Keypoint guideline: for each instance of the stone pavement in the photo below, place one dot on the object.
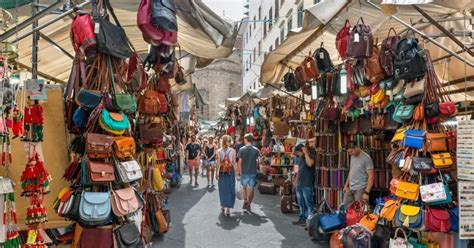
(196, 222)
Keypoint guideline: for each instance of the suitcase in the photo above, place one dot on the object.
(267, 188)
(286, 204)
(286, 188)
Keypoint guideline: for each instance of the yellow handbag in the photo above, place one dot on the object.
(369, 221)
(157, 179)
(407, 190)
(399, 134)
(378, 96)
(362, 91)
(389, 210)
(408, 211)
(442, 160)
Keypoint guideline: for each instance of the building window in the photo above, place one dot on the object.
(289, 24)
(254, 54)
(277, 8)
(250, 59)
(270, 15)
(254, 23)
(282, 32)
(300, 15)
(265, 27)
(260, 13)
(277, 43)
(259, 48)
(271, 48)
(250, 31)
(316, 1)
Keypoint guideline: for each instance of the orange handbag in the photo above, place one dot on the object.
(335, 240)
(369, 221)
(408, 190)
(162, 223)
(124, 147)
(389, 210)
(310, 67)
(419, 113)
(436, 142)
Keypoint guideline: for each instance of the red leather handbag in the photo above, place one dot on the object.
(151, 33)
(300, 76)
(310, 67)
(355, 212)
(342, 39)
(447, 109)
(82, 35)
(451, 140)
(437, 220)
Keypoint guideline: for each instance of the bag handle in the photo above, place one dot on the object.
(360, 19)
(347, 24)
(390, 30)
(403, 232)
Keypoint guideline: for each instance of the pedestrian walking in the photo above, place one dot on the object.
(193, 153)
(304, 159)
(210, 160)
(247, 170)
(226, 175)
(202, 160)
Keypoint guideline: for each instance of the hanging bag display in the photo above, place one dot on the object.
(436, 142)
(360, 41)
(95, 207)
(310, 67)
(124, 201)
(404, 112)
(323, 60)
(389, 210)
(290, 82)
(414, 138)
(409, 61)
(98, 145)
(128, 236)
(442, 160)
(164, 15)
(129, 171)
(124, 147)
(100, 173)
(409, 216)
(372, 68)
(407, 190)
(342, 39)
(387, 52)
(437, 220)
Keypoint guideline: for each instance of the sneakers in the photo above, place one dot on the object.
(299, 223)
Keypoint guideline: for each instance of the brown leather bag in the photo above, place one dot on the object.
(98, 145)
(360, 41)
(378, 121)
(301, 76)
(310, 67)
(124, 147)
(419, 113)
(436, 142)
(151, 133)
(92, 237)
(372, 68)
(280, 128)
(149, 103)
(100, 172)
(162, 223)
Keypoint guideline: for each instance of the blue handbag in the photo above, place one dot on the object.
(330, 221)
(80, 118)
(414, 138)
(95, 207)
(411, 218)
(89, 99)
(404, 112)
(114, 121)
(454, 218)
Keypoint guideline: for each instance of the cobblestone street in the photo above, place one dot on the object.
(196, 222)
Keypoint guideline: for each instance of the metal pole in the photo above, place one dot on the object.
(30, 20)
(425, 36)
(59, 17)
(34, 44)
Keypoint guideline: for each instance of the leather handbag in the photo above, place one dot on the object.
(128, 236)
(409, 60)
(435, 193)
(414, 88)
(409, 216)
(301, 76)
(330, 221)
(372, 68)
(378, 97)
(162, 222)
(399, 242)
(407, 190)
(442, 160)
(124, 201)
(89, 99)
(404, 112)
(387, 52)
(310, 67)
(100, 173)
(124, 147)
(416, 242)
(323, 60)
(151, 33)
(92, 237)
(290, 82)
(112, 39)
(360, 41)
(129, 171)
(382, 235)
(399, 135)
(437, 220)
(164, 15)
(436, 142)
(73, 212)
(342, 39)
(422, 164)
(335, 240)
(419, 113)
(447, 109)
(394, 157)
(95, 208)
(414, 100)
(378, 121)
(432, 110)
(82, 35)
(355, 212)
(149, 103)
(151, 133)
(98, 145)
(369, 221)
(116, 122)
(414, 138)
(389, 210)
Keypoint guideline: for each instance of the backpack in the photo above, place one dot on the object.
(373, 70)
(226, 167)
(342, 40)
(290, 82)
(387, 52)
(323, 60)
(360, 41)
(357, 74)
(409, 61)
(310, 67)
(83, 36)
(301, 76)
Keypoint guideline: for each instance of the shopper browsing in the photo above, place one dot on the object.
(210, 160)
(304, 159)
(361, 175)
(226, 175)
(193, 153)
(247, 170)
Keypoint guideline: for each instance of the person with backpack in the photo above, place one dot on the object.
(247, 169)
(225, 175)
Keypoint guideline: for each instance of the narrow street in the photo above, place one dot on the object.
(196, 222)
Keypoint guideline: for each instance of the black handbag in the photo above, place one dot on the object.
(414, 100)
(409, 61)
(382, 235)
(111, 38)
(323, 60)
(128, 236)
(431, 110)
(422, 163)
(73, 213)
(290, 82)
(164, 15)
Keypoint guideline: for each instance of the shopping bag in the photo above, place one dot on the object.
(238, 191)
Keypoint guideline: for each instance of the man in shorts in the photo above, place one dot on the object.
(193, 153)
(247, 170)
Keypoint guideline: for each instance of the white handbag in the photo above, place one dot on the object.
(6, 186)
(399, 242)
(433, 192)
(414, 88)
(129, 171)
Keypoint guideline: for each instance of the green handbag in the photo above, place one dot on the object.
(354, 113)
(122, 101)
(416, 241)
(404, 112)
(114, 121)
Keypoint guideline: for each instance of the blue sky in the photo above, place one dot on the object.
(231, 9)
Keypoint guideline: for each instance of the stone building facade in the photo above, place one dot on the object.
(220, 80)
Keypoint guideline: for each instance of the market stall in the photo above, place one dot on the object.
(397, 95)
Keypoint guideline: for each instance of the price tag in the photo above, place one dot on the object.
(356, 37)
(96, 28)
(321, 55)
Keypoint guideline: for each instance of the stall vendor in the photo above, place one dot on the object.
(361, 175)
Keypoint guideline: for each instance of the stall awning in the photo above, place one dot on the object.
(299, 44)
(201, 32)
